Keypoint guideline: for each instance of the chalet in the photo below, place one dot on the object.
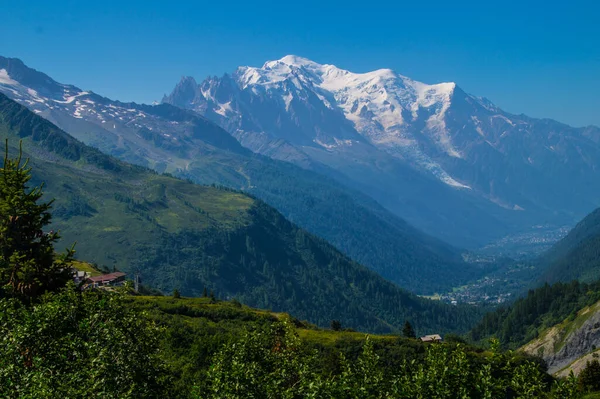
(106, 280)
(432, 338)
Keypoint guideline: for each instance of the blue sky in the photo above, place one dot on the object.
(541, 58)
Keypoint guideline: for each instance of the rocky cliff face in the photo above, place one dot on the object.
(568, 345)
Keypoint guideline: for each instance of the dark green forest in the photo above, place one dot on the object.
(577, 256)
(351, 221)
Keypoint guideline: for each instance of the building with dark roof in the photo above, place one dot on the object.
(106, 280)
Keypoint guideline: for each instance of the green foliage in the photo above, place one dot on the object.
(78, 345)
(176, 294)
(28, 265)
(589, 378)
(263, 365)
(274, 363)
(540, 309)
(96, 344)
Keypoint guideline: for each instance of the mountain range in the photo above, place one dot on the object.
(327, 146)
(181, 142)
(181, 235)
(452, 164)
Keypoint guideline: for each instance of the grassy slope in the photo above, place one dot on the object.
(181, 235)
(195, 329)
(86, 267)
(236, 318)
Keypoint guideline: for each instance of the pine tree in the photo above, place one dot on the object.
(336, 325)
(589, 378)
(408, 331)
(28, 265)
(176, 294)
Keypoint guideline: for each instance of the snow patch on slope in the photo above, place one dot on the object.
(5, 79)
(70, 99)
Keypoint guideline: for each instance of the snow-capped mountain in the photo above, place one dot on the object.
(179, 141)
(450, 163)
(370, 128)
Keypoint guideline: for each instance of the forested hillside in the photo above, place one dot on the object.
(542, 308)
(577, 256)
(181, 235)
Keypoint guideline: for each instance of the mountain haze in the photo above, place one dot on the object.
(182, 235)
(453, 164)
(169, 139)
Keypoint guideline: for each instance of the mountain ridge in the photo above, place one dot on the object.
(506, 165)
(170, 139)
(181, 235)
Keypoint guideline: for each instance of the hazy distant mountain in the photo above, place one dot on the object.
(453, 164)
(167, 138)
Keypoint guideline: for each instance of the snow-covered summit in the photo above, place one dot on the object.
(309, 103)
(334, 116)
(378, 103)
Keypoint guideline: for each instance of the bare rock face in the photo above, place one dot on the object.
(567, 346)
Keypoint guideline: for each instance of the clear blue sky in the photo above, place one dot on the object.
(541, 58)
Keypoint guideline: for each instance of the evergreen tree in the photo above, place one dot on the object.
(336, 325)
(28, 265)
(176, 294)
(408, 331)
(589, 379)
(204, 293)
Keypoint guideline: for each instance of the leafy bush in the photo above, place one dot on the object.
(79, 345)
